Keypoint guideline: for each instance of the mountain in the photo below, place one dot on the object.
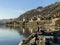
(50, 11)
(3, 21)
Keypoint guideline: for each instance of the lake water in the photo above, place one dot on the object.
(10, 36)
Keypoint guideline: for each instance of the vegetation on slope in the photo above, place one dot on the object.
(51, 11)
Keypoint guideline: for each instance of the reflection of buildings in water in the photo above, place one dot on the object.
(23, 30)
(31, 30)
(26, 31)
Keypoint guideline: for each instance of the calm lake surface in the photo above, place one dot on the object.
(10, 36)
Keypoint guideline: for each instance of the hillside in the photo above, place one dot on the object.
(46, 14)
(50, 11)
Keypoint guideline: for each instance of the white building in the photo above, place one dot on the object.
(23, 19)
(31, 20)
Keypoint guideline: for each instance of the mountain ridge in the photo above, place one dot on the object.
(52, 11)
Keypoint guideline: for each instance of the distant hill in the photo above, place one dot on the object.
(3, 21)
(50, 11)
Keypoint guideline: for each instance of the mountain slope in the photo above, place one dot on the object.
(52, 11)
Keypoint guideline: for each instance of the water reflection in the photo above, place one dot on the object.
(10, 36)
(26, 31)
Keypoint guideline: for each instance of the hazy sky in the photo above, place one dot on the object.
(13, 8)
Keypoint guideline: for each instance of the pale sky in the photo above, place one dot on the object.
(14, 8)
